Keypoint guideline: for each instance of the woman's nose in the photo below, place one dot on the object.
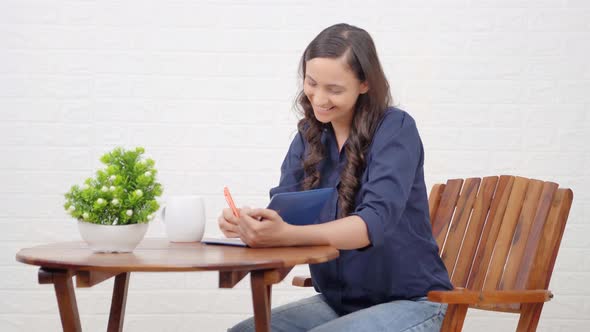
(321, 100)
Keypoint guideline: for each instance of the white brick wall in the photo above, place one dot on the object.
(497, 86)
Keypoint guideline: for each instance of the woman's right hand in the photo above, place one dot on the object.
(228, 223)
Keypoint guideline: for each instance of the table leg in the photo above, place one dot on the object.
(66, 298)
(261, 300)
(118, 302)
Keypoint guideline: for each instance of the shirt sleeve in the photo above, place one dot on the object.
(292, 168)
(394, 158)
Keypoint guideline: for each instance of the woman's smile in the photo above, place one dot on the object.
(324, 109)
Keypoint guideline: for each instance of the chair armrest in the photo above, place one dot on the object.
(302, 281)
(465, 296)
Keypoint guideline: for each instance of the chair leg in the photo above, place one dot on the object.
(118, 302)
(454, 318)
(529, 317)
(66, 297)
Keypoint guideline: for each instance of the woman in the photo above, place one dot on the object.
(350, 139)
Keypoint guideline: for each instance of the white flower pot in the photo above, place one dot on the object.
(112, 238)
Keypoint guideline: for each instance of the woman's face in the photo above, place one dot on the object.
(332, 88)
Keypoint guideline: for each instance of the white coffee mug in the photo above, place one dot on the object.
(184, 218)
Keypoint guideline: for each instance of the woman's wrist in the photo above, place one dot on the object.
(307, 235)
(295, 235)
(291, 235)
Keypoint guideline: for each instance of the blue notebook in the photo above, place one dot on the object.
(296, 208)
(301, 207)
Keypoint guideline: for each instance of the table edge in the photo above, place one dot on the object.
(263, 265)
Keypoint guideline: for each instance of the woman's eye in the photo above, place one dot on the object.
(337, 92)
(311, 83)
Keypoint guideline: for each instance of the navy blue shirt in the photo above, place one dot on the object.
(402, 260)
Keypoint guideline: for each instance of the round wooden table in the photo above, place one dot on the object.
(59, 262)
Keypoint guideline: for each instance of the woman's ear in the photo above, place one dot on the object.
(364, 87)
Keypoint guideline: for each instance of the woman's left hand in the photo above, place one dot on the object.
(263, 228)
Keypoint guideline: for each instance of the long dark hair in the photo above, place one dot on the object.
(357, 46)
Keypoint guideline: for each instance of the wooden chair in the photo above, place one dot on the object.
(498, 238)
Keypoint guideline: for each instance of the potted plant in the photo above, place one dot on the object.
(113, 209)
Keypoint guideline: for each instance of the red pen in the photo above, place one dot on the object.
(230, 201)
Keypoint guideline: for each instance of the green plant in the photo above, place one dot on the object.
(122, 193)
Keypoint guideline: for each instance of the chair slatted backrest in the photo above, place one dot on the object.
(499, 233)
